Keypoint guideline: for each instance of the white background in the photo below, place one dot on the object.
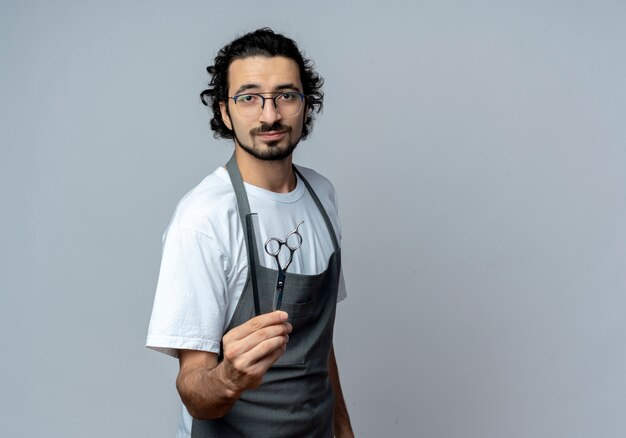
(478, 149)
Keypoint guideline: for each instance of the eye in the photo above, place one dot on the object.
(287, 96)
(246, 99)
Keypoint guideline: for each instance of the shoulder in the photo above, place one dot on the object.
(207, 206)
(323, 186)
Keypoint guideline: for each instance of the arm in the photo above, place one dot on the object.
(209, 389)
(343, 428)
(201, 385)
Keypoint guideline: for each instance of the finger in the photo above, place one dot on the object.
(247, 371)
(257, 323)
(255, 338)
(253, 376)
(235, 348)
(261, 351)
(261, 367)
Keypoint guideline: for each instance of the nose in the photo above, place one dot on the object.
(269, 113)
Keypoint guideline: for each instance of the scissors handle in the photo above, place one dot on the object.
(273, 246)
(296, 233)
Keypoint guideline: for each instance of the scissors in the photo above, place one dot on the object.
(273, 246)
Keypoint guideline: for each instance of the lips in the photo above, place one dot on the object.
(271, 135)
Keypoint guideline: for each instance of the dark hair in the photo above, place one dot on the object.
(261, 42)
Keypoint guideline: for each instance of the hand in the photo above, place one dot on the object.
(252, 348)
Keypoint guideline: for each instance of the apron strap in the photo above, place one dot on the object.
(247, 225)
(320, 207)
(240, 192)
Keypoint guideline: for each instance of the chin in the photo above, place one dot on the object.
(272, 151)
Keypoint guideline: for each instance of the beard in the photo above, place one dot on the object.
(273, 152)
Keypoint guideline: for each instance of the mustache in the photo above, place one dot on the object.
(277, 126)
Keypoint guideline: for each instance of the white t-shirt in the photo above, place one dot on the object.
(204, 265)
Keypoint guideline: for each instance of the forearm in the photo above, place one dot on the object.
(342, 425)
(204, 392)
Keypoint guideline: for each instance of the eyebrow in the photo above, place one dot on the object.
(281, 87)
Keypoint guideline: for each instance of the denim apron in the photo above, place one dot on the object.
(296, 397)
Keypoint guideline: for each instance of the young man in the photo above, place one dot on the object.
(247, 369)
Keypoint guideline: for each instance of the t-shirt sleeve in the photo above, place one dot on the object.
(191, 299)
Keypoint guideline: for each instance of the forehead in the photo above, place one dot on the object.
(262, 73)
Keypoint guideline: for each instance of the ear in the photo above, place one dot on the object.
(226, 115)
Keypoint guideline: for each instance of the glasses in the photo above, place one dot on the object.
(250, 105)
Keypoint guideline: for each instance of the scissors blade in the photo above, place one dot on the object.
(278, 292)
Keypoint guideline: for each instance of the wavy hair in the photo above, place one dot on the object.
(261, 42)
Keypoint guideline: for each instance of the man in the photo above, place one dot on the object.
(247, 369)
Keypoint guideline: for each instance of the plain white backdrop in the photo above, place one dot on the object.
(478, 149)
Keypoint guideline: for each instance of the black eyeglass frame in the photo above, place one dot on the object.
(263, 98)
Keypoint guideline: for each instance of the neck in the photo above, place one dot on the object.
(276, 176)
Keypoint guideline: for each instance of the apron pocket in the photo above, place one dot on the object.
(295, 310)
(299, 313)
(295, 354)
